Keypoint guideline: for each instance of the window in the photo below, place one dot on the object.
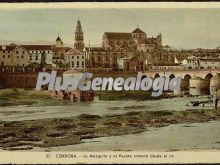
(17, 56)
(22, 64)
(77, 64)
(16, 52)
(82, 57)
(72, 64)
(22, 56)
(3, 56)
(82, 63)
(23, 52)
(8, 56)
(8, 51)
(77, 57)
(3, 51)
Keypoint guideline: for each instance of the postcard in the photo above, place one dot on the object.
(126, 82)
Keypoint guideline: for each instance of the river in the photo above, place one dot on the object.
(97, 107)
(179, 137)
(195, 136)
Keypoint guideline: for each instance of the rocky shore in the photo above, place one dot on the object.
(24, 135)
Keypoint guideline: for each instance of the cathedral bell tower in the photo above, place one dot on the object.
(79, 44)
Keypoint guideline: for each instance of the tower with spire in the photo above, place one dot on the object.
(59, 42)
(79, 44)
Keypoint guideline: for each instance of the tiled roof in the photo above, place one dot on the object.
(118, 36)
(137, 30)
(73, 52)
(37, 47)
(7, 47)
(61, 48)
(95, 49)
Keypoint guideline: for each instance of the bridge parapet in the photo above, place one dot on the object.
(202, 73)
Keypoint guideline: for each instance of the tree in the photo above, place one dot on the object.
(43, 60)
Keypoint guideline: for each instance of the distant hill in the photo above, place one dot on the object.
(41, 42)
(37, 42)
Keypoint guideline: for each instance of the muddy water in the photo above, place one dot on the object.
(179, 137)
(196, 136)
(96, 107)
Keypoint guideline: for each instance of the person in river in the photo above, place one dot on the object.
(215, 99)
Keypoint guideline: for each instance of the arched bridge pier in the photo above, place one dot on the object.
(192, 79)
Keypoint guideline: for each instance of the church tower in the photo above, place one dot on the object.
(79, 44)
(59, 42)
(159, 40)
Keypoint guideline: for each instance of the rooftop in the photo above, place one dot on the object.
(72, 72)
(7, 47)
(37, 47)
(95, 49)
(118, 36)
(74, 52)
(137, 30)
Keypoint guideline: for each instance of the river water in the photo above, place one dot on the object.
(96, 107)
(179, 137)
(194, 136)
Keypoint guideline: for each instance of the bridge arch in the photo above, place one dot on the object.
(208, 76)
(172, 76)
(185, 82)
(156, 75)
(144, 76)
(187, 77)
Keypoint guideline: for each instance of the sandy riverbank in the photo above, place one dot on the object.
(73, 130)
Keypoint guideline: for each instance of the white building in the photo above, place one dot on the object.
(202, 63)
(191, 63)
(75, 59)
(209, 63)
(36, 52)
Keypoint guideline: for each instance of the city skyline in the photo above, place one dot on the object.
(180, 28)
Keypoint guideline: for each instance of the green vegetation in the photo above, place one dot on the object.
(15, 97)
(129, 95)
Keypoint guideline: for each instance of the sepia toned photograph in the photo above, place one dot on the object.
(110, 82)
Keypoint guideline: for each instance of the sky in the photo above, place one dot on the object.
(180, 28)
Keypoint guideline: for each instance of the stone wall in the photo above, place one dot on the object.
(19, 79)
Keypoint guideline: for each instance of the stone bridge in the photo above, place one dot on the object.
(200, 78)
(185, 74)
